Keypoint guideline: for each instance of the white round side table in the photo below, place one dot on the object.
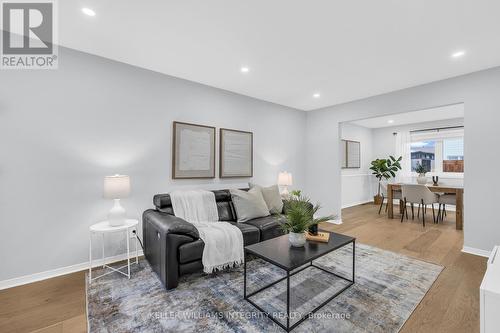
(103, 228)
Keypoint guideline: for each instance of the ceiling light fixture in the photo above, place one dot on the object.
(245, 69)
(390, 121)
(316, 95)
(88, 11)
(458, 54)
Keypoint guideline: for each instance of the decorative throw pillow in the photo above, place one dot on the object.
(272, 197)
(249, 205)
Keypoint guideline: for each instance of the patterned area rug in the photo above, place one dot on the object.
(388, 288)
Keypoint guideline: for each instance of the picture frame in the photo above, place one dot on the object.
(351, 154)
(235, 153)
(193, 151)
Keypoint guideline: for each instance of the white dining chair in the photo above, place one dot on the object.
(418, 194)
(446, 199)
(396, 194)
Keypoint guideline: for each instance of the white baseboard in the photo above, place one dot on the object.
(477, 252)
(449, 208)
(356, 203)
(60, 271)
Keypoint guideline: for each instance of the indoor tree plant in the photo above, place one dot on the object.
(384, 169)
(420, 170)
(299, 213)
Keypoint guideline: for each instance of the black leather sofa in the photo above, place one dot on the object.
(173, 246)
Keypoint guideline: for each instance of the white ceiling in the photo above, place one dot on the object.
(345, 50)
(434, 114)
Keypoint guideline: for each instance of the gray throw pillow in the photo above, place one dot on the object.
(272, 197)
(249, 205)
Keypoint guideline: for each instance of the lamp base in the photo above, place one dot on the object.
(117, 214)
(284, 193)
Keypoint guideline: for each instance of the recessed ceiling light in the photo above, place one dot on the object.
(458, 54)
(88, 11)
(316, 95)
(245, 69)
(390, 121)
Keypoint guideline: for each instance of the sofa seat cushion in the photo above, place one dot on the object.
(251, 234)
(194, 250)
(269, 226)
(191, 251)
(191, 267)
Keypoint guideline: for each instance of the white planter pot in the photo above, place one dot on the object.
(421, 179)
(297, 239)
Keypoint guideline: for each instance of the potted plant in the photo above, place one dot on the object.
(384, 169)
(299, 213)
(421, 179)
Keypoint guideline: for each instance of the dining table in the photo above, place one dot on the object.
(458, 190)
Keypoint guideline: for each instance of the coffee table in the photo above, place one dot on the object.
(280, 253)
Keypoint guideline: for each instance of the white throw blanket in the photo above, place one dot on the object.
(223, 241)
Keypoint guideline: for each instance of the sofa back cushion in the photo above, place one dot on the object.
(249, 205)
(163, 203)
(272, 197)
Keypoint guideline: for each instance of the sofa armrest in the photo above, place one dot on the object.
(163, 235)
(170, 224)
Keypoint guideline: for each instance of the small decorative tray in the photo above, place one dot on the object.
(320, 237)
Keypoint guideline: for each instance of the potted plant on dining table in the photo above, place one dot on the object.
(384, 168)
(421, 171)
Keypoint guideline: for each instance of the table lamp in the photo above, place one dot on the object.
(116, 187)
(285, 180)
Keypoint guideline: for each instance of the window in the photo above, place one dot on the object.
(439, 151)
(453, 155)
(424, 153)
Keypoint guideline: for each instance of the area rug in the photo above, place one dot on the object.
(388, 288)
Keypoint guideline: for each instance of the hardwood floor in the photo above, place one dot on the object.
(53, 305)
(451, 305)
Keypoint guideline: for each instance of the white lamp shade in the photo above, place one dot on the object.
(116, 187)
(285, 179)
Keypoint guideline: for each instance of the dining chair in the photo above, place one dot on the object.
(446, 199)
(396, 194)
(418, 194)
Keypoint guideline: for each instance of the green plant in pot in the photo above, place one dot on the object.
(299, 213)
(296, 194)
(384, 169)
(420, 170)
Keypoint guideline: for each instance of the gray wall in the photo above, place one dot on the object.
(358, 184)
(480, 93)
(62, 131)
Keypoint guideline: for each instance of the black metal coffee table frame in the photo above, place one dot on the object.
(287, 327)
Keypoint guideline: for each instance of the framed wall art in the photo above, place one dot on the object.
(236, 153)
(193, 151)
(351, 154)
